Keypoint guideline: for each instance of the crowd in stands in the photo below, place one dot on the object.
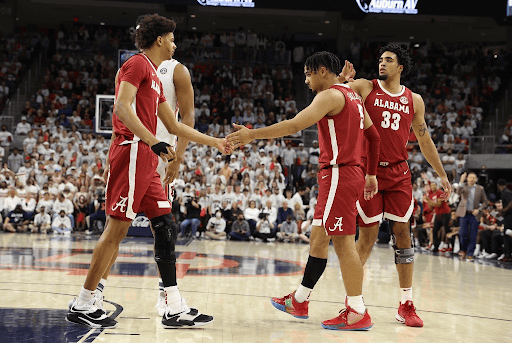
(265, 191)
(16, 53)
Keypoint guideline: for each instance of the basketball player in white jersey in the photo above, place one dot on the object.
(178, 89)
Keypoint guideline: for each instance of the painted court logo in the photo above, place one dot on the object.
(388, 6)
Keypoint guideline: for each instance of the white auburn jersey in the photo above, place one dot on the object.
(166, 76)
(165, 73)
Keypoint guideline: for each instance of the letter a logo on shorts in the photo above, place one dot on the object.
(121, 204)
(338, 224)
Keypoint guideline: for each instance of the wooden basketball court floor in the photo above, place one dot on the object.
(459, 301)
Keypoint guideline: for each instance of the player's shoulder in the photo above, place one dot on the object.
(137, 59)
(417, 100)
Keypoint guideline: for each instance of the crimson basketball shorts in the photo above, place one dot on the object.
(339, 189)
(393, 201)
(168, 189)
(133, 184)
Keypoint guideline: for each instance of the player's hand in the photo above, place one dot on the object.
(348, 72)
(371, 186)
(224, 146)
(171, 170)
(240, 137)
(463, 177)
(447, 187)
(475, 212)
(164, 150)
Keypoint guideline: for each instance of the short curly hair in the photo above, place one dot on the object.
(402, 55)
(323, 58)
(149, 27)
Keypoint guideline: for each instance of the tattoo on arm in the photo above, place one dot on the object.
(423, 129)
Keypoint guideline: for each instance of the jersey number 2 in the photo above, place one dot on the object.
(361, 113)
(386, 122)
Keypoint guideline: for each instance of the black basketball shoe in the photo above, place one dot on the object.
(90, 315)
(184, 317)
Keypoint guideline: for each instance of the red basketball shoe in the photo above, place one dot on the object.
(407, 315)
(289, 305)
(349, 320)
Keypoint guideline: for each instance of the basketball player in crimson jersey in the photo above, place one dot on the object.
(341, 118)
(394, 108)
(133, 184)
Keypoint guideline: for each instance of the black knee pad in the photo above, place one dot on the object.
(404, 256)
(166, 231)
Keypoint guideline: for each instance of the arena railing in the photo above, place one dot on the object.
(475, 145)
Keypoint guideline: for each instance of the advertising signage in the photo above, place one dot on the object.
(389, 6)
(227, 3)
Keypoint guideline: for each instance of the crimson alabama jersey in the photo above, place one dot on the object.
(140, 71)
(392, 115)
(340, 136)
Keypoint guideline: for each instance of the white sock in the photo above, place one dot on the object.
(302, 294)
(101, 286)
(161, 290)
(477, 250)
(172, 297)
(357, 303)
(406, 294)
(84, 297)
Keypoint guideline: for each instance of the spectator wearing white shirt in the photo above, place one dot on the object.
(23, 171)
(62, 223)
(466, 130)
(5, 137)
(262, 158)
(29, 205)
(61, 203)
(23, 127)
(270, 210)
(42, 221)
(288, 156)
(272, 145)
(11, 201)
(216, 227)
(29, 143)
(46, 202)
(15, 160)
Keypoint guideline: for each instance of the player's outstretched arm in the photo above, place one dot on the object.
(427, 146)
(124, 111)
(166, 114)
(323, 104)
(371, 134)
(361, 86)
(185, 96)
